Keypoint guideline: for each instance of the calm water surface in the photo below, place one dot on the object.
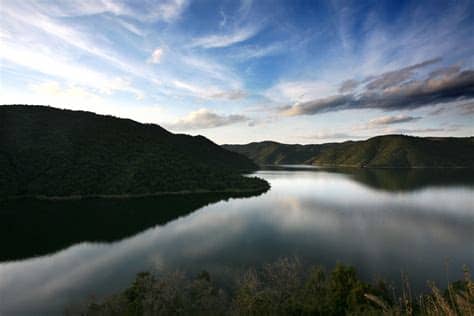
(58, 255)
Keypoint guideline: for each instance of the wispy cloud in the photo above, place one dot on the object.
(74, 95)
(42, 31)
(164, 10)
(414, 130)
(299, 91)
(212, 69)
(230, 95)
(382, 123)
(130, 27)
(168, 10)
(66, 70)
(413, 39)
(208, 92)
(227, 39)
(253, 51)
(331, 136)
(395, 119)
(204, 119)
(38, 29)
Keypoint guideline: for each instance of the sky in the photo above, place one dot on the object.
(244, 71)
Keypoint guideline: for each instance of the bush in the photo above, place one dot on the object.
(284, 287)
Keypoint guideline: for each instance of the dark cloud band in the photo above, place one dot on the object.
(396, 90)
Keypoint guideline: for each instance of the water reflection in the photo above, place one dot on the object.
(396, 179)
(322, 217)
(412, 179)
(32, 227)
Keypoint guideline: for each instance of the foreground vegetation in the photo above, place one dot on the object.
(390, 151)
(60, 153)
(282, 288)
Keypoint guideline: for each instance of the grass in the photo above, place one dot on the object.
(457, 299)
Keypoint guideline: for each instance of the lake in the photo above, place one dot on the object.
(56, 255)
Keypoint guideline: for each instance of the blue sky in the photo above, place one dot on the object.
(242, 71)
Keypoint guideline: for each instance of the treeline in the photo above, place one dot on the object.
(285, 287)
(50, 152)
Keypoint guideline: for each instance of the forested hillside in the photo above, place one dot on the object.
(50, 152)
(389, 151)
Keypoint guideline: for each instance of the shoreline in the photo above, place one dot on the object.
(321, 166)
(129, 196)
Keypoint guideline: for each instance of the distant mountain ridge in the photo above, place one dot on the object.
(46, 151)
(388, 151)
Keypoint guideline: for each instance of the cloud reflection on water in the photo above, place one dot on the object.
(322, 217)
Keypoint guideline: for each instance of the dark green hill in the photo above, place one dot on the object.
(390, 151)
(52, 152)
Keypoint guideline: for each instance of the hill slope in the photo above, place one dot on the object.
(395, 151)
(52, 152)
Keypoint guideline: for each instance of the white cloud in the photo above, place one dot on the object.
(34, 27)
(4, 34)
(249, 52)
(208, 91)
(230, 95)
(224, 40)
(415, 130)
(193, 75)
(170, 10)
(37, 32)
(36, 59)
(120, 84)
(382, 123)
(73, 8)
(72, 95)
(395, 119)
(332, 136)
(203, 119)
(298, 91)
(156, 56)
(132, 28)
(212, 70)
(163, 10)
(77, 97)
(197, 90)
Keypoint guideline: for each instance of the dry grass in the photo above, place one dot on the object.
(458, 300)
